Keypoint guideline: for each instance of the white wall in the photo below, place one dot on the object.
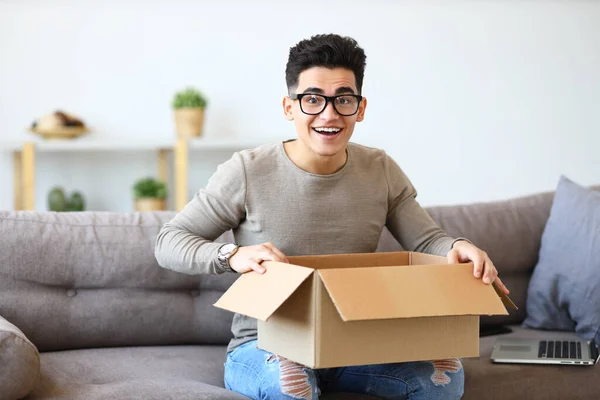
(477, 100)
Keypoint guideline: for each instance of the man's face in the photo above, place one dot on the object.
(327, 133)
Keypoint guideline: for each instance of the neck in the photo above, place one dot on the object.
(313, 163)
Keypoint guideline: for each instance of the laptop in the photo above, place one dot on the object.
(570, 350)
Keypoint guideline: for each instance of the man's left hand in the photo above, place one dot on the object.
(463, 251)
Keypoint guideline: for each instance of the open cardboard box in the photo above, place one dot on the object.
(355, 309)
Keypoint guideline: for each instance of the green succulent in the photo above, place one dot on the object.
(58, 201)
(76, 202)
(189, 98)
(150, 187)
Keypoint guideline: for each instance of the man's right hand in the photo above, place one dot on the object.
(248, 258)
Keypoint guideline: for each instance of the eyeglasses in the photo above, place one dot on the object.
(313, 104)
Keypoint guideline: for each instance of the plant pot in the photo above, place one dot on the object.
(189, 122)
(150, 204)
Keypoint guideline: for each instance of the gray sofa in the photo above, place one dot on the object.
(85, 291)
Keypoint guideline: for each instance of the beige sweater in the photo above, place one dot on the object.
(264, 197)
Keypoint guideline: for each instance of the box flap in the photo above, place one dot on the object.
(352, 260)
(260, 295)
(410, 291)
(425, 259)
(505, 299)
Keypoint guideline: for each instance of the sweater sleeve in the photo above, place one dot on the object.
(186, 243)
(406, 220)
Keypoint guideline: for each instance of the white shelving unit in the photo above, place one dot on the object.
(227, 144)
(24, 158)
(81, 145)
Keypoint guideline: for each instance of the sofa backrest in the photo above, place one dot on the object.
(510, 231)
(90, 279)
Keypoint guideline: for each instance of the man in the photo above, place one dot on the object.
(316, 194)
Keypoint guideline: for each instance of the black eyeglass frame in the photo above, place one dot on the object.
(299, 96)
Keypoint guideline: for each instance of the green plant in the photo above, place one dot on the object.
(189, 98)
(58, 201)
(150, 187)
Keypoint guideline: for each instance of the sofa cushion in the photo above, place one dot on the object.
(485, 380)
(196, 372)
(152, 372)
(19, 362)
(149, 373)
(564, 292)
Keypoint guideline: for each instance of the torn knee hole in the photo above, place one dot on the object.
(293, 378)
(441, 368)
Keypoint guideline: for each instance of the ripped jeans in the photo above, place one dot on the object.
(261, 375)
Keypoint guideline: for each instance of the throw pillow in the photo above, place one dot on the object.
(564, 291)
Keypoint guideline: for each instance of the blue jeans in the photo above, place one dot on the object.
(261, 375)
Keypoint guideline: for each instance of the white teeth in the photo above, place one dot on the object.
(328, 130)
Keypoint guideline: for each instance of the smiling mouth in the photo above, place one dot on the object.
(327, 131)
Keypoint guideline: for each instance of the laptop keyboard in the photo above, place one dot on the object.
(559, 349)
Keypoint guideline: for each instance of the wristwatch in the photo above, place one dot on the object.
(224, 253)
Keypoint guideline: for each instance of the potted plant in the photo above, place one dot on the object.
(58, 201)
(189, 106)
(150, 194)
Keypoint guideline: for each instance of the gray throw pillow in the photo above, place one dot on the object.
(19, 362)
(564, 291)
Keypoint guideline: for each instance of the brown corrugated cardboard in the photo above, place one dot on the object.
(353, 309)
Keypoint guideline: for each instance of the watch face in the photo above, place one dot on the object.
(228, 248)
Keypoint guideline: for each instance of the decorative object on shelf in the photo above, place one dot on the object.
(59, 202)
(150, 195)
(58, 125)
(189, 108)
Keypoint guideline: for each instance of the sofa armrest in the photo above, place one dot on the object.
(19, 362)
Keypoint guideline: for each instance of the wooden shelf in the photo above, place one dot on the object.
(115, 144)
(24, 158)
(226, 144)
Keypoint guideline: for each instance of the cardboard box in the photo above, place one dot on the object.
(354, 309)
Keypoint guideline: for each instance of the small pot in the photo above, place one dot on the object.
(189, 122)
(150, 204)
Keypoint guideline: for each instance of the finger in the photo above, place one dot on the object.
(277, 252)
(267, 255)
(502, 286)
(489, 273)
(257, 267)
(453, 256)
(477, 264)
(489, 278)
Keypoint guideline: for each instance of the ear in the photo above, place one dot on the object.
(361, 110)
(287, 108)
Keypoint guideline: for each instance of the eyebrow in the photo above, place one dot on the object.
(340, 90)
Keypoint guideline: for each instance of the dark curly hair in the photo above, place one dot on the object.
(329, 51)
